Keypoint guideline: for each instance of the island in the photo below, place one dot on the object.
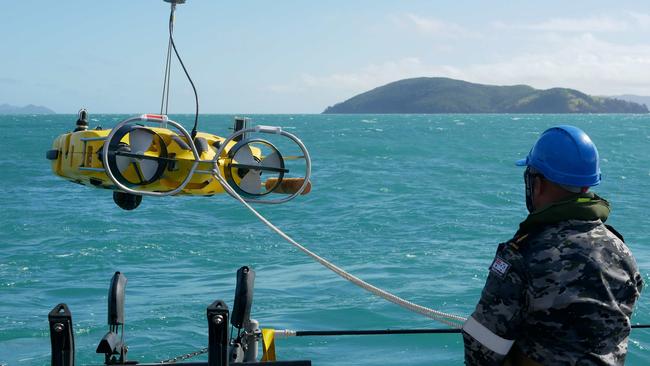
(443, 95)
(28, 109)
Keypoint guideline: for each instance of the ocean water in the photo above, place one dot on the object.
(414, 204)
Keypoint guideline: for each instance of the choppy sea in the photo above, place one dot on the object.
(414, 204)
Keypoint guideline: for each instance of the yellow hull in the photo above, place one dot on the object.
(76, 156)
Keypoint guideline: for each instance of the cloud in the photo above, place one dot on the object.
(433, 27)
(582, 62)
(345, 84)
(593, 24)
(642, 20)
(572, 53)
(377, 74)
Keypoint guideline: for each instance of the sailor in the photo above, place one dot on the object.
(562, 290)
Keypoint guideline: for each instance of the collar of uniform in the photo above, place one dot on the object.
(583, 206)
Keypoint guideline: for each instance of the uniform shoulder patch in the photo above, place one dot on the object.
(499, 266)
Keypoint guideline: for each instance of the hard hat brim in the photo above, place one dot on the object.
(522, 162)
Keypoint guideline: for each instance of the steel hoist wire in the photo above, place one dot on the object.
(451, 320)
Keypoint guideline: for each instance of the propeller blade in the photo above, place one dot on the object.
(245, 156)
(252, 182)
(140, 140)
(272, 160)
(123, 163)
(148, 168)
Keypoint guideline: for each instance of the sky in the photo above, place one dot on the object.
(300, 56)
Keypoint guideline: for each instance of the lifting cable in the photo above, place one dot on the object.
(165, 94)
(451, 320)
(164, 103)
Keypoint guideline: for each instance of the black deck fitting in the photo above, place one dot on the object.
(241, 310)
(61, 336)
(218, 334)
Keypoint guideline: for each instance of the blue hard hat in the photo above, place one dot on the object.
(565, 155)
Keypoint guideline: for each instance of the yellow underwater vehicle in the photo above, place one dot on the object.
(154, 155)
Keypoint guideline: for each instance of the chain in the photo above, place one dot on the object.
(185, 356)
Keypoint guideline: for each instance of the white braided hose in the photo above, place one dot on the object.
(451, 320)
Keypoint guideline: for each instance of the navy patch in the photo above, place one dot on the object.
(499, 267)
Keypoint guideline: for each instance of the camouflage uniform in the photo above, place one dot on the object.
(561, 292)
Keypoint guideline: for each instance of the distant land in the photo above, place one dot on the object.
(28, 109)
(444, 95)
(633, 98)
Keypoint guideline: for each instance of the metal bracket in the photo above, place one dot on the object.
(218, 334)
(61, 336)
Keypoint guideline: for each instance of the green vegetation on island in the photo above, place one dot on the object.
(28, 109)
(444, 95)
